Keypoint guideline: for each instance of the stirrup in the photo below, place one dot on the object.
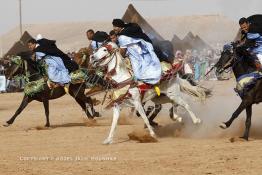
(157, 89)
(66, 88)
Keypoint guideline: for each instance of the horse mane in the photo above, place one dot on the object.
(79, 55)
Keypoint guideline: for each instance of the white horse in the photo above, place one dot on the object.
(110, 57)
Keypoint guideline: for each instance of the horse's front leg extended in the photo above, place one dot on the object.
(240, 108)
(22, 106)
(141, 111)
(173, 113)
(182, 103)
(136, 100)
(174, 95)
(46, 106)
(116, 114)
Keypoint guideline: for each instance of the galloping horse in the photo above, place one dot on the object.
(24, 65)
(242, 66)
(109, 56)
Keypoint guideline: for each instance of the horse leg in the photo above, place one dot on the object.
(148, 111)
(141, 111)
(173, 113)
(84, 107)
(248, 122)
(78, 94)
(136, 100)
(182, 103)
(116, 114)
(89, 101)
(158, 108)
(46, 106)
(240, 108)
(174, 95)
(22, 106)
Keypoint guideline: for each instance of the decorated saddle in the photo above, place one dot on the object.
(121, 93)
(170, 70)
(33, 87)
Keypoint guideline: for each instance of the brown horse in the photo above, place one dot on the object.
(24, 66)
(82, 57)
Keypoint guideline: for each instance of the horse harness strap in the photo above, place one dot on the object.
(113, 71)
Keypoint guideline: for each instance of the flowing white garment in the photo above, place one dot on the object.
(2, 83)
(145, 63)
(56, 69)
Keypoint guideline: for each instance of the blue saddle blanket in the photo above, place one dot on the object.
(246, 82)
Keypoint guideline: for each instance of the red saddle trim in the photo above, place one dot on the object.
(172, 72)
(144, 87)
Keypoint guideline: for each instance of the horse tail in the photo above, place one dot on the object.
(194, 91)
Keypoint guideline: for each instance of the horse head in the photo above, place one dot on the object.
(103, 55)
(82, 57)
(226, 59)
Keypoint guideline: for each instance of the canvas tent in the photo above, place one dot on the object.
(132, 16)
(190, 41)
(19, 46)
(199, 44)
(177, 43)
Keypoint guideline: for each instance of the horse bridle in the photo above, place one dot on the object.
(230, 63)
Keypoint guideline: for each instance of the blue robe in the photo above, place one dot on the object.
(145, 63)
(258, 39)
(95, 45)
(56, 69)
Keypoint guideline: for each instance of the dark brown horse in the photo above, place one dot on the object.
(241, 64)
(27, 66)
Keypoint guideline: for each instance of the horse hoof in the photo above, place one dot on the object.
(179, 119)
(198, 121)
(153, 135)
(107, 141)
(223, 126)
(244, 138)
(153, 124)
(6, 125)
(97, 114)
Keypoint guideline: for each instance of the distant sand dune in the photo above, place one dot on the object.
(71, 36)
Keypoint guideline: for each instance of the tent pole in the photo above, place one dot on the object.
(1, 47)
(20, 17)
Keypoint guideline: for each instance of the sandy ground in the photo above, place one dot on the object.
(72, 147)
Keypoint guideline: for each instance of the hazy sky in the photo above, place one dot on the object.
(45, 11)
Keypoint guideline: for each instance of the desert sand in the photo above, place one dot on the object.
(71, 146)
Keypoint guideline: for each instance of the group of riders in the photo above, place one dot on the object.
(135, 45)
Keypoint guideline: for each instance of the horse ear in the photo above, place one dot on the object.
(109, 47)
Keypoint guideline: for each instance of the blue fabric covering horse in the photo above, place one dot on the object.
(246, 82)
